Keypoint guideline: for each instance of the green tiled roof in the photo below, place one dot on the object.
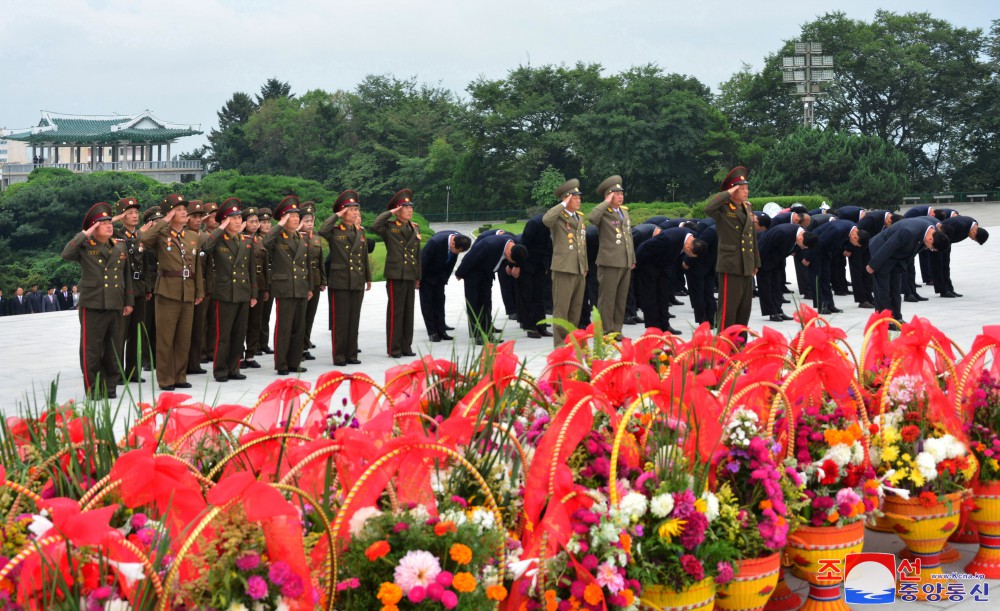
(55, 128)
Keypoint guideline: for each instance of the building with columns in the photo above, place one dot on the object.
(82, 144)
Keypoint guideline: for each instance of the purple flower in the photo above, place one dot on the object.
(248, 562)
(694, 531)
(725, 573)
(256, 587)
(692, 566)
(279, 572)
(293, 587)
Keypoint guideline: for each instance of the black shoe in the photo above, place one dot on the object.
(841, 293)
(395, 356)
(146, 367)
(166, 388)
(631, 321)
(308, 357)
(447, 328)
(182, 384)
(786, 291)
(911, 298)
(222, 379)
(787, 317)
(479, 341)
(267, 350)
(300, 370)
(259, 352)
(237, 376)
(446, 337)
(206, 359)
(951, 294)
(311, 345)
(534, 335)
(409, 354)
(776, 318)
(675, 302)
(867, 305)
(834, 309)
(783, 300)
(672, 330)
(919, 297)
(435, 337)
(113, 394)
(544, 332)
(250, 364)
(353, 362)
(340, 363)
(191, 372)
(512, 316)
(282, 372)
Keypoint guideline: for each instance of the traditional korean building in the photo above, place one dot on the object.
(81, 144)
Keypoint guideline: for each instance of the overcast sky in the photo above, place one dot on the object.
(182, 59)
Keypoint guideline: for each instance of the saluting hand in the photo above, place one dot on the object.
(225, 223)
(90, 230)
(146, 227)
(117, 218)
(170, 215)
(284, 220)
(396, 210)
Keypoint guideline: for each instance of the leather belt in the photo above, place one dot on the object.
(175, 273)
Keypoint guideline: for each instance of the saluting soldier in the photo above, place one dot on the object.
(615, 254)
(317, 271)
(262, 275)
(106, 296)
(149, 274)
(196, 218)
(128, 332)
(289, 286)
(569, 255)
(264, 340)
(349, 276)
(738, 259)
(231, 259)
(180, 286)
(209, 224)
(402, 270)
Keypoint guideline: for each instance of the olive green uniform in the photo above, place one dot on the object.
(569, 265)
(347, 279)
(402, 270)
(262, 274)
(290, 287)
(615, 259)
(317, 278)
(134, 324)
(105, 290)
(738, 258)
(234, 279)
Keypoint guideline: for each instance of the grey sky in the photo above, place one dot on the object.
(182, 59)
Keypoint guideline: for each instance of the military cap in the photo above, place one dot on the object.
(345, 199)
(196, 206)
(610, 184)
(570, 187)
(172, 201)
(211, 208)
(401, 198)
(264, 213)
(99, 212)
(736, 176)
(152, 214)
(251, 211)
(308, 208)
(125, 203)
(231, 206)
(287, 205)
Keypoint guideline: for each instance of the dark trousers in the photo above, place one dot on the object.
(508, 291)
(149, 320)
(345, 311)
(312, 305)
(264, 339)
(479, 303)
(926, 274)
(631, 305)
(909, 282)
(591, 294)
(254, 323)
(197, 334)
(735, 299)
(289, 333)
(940, 264)
(531, 288)
(861, 280)
(399, 316)
(173, 339)
(701, 292)
(655, 296)
(769, 284)
(820, 276)
(838, 272)
(129, 339)
(888, 285)
(802, 279)
(432, 307)
(99, 348)
(229, 332)
(208, 344)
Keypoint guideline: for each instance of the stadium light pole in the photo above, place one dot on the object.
(808, 69)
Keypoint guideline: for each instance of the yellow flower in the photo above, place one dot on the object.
(994, 463)
(670, 529)
(890, 453)
(701, 505)
(898, 476)
(917, 477)
(890, 435)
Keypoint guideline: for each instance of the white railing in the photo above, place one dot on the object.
(107, 166)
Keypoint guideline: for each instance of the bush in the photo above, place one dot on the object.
(512, 219)
(785, 201)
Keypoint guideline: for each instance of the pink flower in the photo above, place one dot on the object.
(293, 586)
(139, 520)
(435, 590)
(417, 594)
(102, 592)
(694, 531)
(400, 527)
(608, 577)
(416, 568)
(256, 587)
(349, 584)
(444, 578)
(692, 566)
(279, 572)
(725, 573)
(449, 599)
(589, 562)
(248, 562)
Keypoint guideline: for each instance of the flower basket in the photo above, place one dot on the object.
(782, 599)
(753, 585)
(699, 597)
(986, 518)
(809, 545)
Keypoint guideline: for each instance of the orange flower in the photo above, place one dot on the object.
(765, 504)
(497, 592)
(626, 540)
(855, 431)
(443, 528)
(460, 553)
(629, 597)
(927, 498)
(550, 601)
(377, 550)
(389, 593)
(464, 582)
(833, 517)
(593, 594)
(389, 608)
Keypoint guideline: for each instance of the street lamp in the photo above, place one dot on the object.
(447, 202)
(808, 69)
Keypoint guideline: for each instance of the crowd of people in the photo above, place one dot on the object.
(194, 283)
(36, 301)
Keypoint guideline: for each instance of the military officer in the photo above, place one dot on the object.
(289, 285)
(348, 277)
(128, 332)
(149, 274)
(261, 273)
(106, 296)
(615, 255)
(569, 255)
(264, 214)
(209, 224)
(317, 271)
(738, 259)
(196, 218)
(402, 270)
(180, 286)
(234, 278)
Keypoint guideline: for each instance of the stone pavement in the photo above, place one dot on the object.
(43, 348)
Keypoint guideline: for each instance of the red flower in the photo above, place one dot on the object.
(831, 473)
(927, 499)
(910, 433)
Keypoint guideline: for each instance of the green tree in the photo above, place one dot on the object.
(273, 89)
(543, 191)
(228, 142)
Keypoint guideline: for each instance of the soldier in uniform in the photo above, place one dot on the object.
(196, 217)
(317, 271)
(106, 277)
(149, 274)
(569, 255)
(615, 255)
(738, 260)
(264, 214)
(129, 330)
(234, 278)
(180, 286)
(261, 273)
(209, 224)
(402, 270)
(289, 285)
(349, 276)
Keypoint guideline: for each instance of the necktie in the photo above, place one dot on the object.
(621, 214)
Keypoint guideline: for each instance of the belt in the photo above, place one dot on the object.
(175, 273)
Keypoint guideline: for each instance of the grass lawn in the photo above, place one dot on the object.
(517, 227)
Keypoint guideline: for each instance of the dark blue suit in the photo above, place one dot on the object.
(476, 271)
(436, 265)
(957, 228)
(640, 233)
(891, 251)
(701, 275)
(534, 286)
(774, 244)
(850, 213)
(657, 260)
(592, 289)
(834, 239)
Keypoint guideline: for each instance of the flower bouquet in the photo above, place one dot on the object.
(982, 425)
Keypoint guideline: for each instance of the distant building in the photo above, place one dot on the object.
(82, 144)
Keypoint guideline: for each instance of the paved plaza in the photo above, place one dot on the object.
(43, 348)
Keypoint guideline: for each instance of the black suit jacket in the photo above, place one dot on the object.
(641, 233)
(916, 211)
(706, 232)
(664, 249)
(816, 220)
(593, 245)
(435, 264)
(873, 222)
(34, 300)
(671, 223)
(776, 243)
(65, 303)
(3, 305)
(484, 254)
(958, 227)
(900, 242)
(850, 213)
(537, 238)
(19, 307)
(834, 236)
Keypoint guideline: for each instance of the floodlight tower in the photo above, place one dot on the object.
(808, 69)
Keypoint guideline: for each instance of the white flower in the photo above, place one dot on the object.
(573, 546)
(130, 571)
(937, 448)
(892, 419)
(454, 515)
(118, 605)
(953, 447)
(927, 465)
(840, 454)
(259, 607)
(420, 514)
(662, 504)
(875, 453)
(237, 607)
(40, 524)
(857, 453)
(483, 518)
(360, 517)
(634, 505)
(282, 606)
(711, 505)
(608, 532)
